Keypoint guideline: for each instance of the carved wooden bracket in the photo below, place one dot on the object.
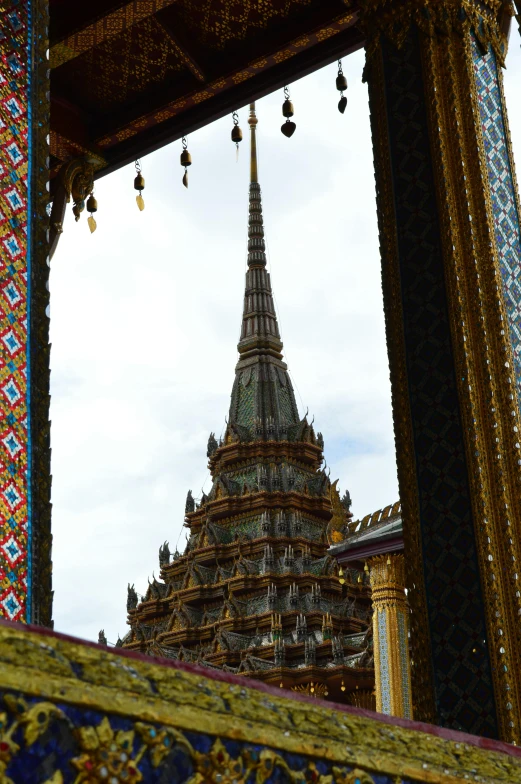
(75, 179)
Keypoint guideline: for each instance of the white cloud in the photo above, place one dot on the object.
(145, 320)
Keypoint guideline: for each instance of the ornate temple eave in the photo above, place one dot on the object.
(232, 505)
(300, 452)
(217, 551)
(251, 548)
(243, 584)
(357, 627)
(188, 637)
(294, 654)
(362, 675)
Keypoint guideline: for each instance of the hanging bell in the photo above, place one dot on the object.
(288, 128)
(341, 83)
(236, 134)
(92, 206)
(186, 158)
(287, 108)
(139, 185)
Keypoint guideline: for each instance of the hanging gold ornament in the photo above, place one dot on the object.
(139, 185)
(341, 85)
(92, 206)
(287, 128)
(236, 134)
(186, 160)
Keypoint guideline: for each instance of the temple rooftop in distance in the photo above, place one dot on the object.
(256, 591)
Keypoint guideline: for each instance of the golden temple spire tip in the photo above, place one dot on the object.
(252, 122)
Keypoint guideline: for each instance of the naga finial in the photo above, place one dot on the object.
(212, 445)
(190, 503)
(346, 501)
(131, 598)
(164, 555)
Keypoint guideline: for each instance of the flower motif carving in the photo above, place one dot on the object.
(107, 755)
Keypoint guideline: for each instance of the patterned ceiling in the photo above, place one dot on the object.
(130, 76)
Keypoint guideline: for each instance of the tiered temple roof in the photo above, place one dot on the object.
(255, 591)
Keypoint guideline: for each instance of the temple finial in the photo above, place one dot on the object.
(252, 122)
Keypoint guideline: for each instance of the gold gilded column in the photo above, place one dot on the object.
(391, 635)
(449, 224)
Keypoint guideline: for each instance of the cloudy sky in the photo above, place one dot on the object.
(145, 318)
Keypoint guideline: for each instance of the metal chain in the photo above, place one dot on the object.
(138, 166)
(286, 92)
(340, 71)
(235, 118)
(184, 142)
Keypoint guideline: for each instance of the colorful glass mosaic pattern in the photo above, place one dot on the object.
(403, 652)
(383, 653)
(502, 192)
(14, 175)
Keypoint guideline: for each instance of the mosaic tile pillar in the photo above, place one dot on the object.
(391, 635)
(25, 540)
(449, 239)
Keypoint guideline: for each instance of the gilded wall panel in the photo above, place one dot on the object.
(73, 712)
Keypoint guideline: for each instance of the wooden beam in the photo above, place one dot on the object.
(108, 26)
(182, 51)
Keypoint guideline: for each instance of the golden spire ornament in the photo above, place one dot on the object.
(186, 160)
(92, 206)
(252, 122)
(236, 134)
(139, 185)
(287, 128)
(341, 85)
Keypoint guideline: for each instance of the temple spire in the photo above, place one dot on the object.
(263, 403)
(260, 331)
(256, 246)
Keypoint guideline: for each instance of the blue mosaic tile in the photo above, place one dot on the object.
(505, 212)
